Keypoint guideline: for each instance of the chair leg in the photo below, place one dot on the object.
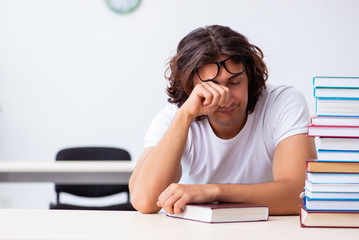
(57, 198)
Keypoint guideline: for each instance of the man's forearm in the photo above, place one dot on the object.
(282, 197)
(161, 166)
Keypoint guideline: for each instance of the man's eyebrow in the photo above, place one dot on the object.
(234, 76)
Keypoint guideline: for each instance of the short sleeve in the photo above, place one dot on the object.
(159, 125)
(287, 114)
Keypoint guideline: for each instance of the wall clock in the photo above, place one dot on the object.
(123, 6)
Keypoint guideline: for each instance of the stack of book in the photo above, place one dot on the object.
(332, 180)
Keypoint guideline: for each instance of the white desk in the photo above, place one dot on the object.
(67, 172)
(60, 224)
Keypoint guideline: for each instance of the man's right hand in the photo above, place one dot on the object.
(206, 98)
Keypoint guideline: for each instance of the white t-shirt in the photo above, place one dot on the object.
(247, 158)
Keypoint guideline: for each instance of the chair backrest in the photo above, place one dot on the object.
(92, 154)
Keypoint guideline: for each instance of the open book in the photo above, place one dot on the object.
(223, 212)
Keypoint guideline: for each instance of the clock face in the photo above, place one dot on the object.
(123, 6)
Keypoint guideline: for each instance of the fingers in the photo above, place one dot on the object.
(173, 199)
(176, 196)
(206, 98)
(214, 95)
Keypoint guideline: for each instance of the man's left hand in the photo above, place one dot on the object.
(176, 196)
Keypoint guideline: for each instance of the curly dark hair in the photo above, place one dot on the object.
(205, 45)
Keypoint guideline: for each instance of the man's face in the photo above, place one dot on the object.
(234, 115)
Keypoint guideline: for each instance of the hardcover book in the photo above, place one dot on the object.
(331, 187)
(332, 204)
(336, 93)
(348, 144)
(223, 212)
(328, 218)
(333, 131)
(333, 177)
(331, 195)
(337, 107)
(322, 81)
(337, 155)
(314, 165)
(335, 121)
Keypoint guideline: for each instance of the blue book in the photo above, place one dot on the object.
(331, 205)
(350, 144)
(338, 155)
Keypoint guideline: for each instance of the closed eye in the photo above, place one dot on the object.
(234, 80)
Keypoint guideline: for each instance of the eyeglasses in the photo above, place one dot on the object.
(234, 65)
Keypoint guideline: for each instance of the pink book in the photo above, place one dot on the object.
(333, 131)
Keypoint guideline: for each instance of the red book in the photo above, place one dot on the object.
(333, 131)
(330, 219)
(223, 212)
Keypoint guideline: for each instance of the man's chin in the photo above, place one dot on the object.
(226, 121)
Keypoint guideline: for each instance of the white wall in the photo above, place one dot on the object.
(74, 73)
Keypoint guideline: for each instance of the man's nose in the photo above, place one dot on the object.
(222, 76)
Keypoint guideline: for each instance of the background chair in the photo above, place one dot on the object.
(92, 191)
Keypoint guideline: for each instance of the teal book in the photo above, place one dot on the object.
(335, 82)
(330, 93)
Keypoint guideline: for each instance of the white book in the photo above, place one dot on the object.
(336, 81)
(335, 218)
(335, 121)
(331, 195)
(348, 144)
(337, 107)
(333, 131)
(336, 92)
(223, 212)
(331, 187)
(333, 177)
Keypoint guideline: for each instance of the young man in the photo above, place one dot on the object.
(226, 136)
